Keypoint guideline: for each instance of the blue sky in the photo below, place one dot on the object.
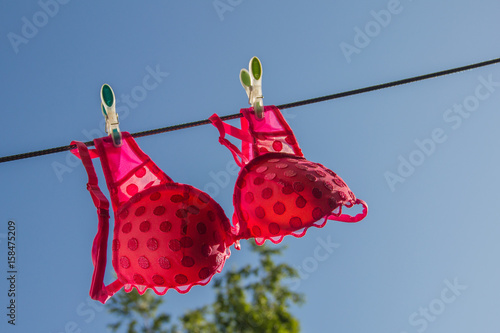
(426, 257)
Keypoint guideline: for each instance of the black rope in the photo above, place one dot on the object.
(283, 106)
(390, 84)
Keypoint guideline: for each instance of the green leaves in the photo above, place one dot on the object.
(250, 299)
(134, 310)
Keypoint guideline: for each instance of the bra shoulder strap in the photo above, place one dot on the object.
(240, 158)
(98, 291)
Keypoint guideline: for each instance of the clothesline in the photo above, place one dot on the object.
(283, 106)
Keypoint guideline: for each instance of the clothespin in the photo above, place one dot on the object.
(109, 112)
(252, 82)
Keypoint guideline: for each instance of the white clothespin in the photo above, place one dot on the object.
(252, 82)
(109, 111)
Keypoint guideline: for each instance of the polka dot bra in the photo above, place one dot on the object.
(169, 235)
(278, 192)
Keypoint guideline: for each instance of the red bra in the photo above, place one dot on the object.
(278, 192)
(166, 234)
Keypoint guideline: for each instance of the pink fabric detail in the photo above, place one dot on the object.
(127, 169)
(278, 192)
(233, 131)
(349, 218)
(91, 152)
(270, 134)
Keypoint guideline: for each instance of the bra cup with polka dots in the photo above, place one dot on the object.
(169, 236)
(166, 234)
(278, 192)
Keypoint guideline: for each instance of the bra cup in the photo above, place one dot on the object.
(170, 236)
(279, 194)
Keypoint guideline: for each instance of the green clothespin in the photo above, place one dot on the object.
(109, 111)
(252, 82)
